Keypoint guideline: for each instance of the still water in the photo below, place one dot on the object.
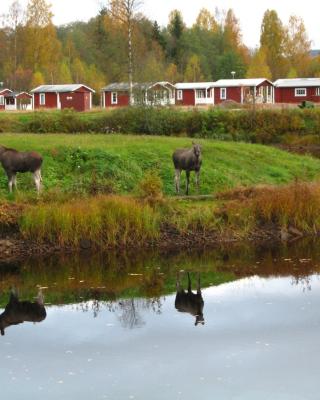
(116, 327)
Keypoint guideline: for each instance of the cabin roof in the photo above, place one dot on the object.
(194, 85)
(16, 94)
(5, 90)
(60, 88)
(297, 82)
(125, 87)
(240, 82)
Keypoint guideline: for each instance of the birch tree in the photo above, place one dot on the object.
(124, 11)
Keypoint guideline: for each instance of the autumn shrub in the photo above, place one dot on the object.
(150, 188)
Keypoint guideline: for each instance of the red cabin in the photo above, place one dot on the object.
(297, 90)
(157, 93)
(77, 96)
(243, 91)
(194, 93)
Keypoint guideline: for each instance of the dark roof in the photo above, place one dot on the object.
(125, 87)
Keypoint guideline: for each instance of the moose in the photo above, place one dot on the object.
(17, 312)
(187, 160)
(14, 161)
(190, 302)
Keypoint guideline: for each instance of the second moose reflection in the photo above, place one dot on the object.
(17, 312)
(189, 302)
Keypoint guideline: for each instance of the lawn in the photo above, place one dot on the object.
(89, 162)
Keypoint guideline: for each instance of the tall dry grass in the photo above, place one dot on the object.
(296, 205)
(107, 221)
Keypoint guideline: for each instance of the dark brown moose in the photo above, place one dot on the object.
(187, 160)
(189, 302)
(17, 312)
(14, 161)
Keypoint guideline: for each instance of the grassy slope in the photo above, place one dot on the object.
(71, 159)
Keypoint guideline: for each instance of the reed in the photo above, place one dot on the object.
(106, 221)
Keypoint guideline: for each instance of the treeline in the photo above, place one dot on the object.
(255, 126)
(33, 51)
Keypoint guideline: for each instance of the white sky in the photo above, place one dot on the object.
(249, 12)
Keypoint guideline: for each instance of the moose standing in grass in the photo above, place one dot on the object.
(187, 160)
(14, 161)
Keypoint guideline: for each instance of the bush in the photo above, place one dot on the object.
(258, 126)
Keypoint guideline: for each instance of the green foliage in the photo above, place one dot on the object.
(257, 126)
(90, 164)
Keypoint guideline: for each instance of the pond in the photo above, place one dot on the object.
(113, 326)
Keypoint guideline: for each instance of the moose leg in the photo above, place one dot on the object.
(198, 179)
(11, 177)
(40, 298)
(189, 283)
(199, 284)
(14, 181)
(177, 180)
(188, 181)
(37, 179)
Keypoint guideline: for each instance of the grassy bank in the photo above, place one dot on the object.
(256, 126)
(93, 164)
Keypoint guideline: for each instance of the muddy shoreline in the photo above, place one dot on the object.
(13, 247)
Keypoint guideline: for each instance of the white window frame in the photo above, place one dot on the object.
(300, 92)
(114, 97)
(42, 99)
(179, 94)
(223, 93)
(201, 93)
(1, 100)
(318, 91)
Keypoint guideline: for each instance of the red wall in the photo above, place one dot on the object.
(51, 100)
(233, 93)
(286, 95)
(79, 100)
(123, 99)
(188, 98)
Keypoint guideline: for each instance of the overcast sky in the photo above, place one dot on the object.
(249, 12)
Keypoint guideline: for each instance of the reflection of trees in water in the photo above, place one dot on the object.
(128, 310)
(130, 316)
(304, 281)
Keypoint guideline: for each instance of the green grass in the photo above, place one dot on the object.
(90, 163)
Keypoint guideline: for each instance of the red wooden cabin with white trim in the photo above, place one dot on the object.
(297, 90)
(76, 96)
(156, 93)
(194, 93)
(257, 90)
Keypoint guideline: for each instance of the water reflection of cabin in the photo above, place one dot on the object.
(194, 93)
(244, 91)
(157, 93)
(11, 101)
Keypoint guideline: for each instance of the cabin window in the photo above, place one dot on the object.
(42, 99)
(1, 100)
(317, 91)
(300, 92)
(223, 93)
(114, 98)
(201, 93)
(179, 95)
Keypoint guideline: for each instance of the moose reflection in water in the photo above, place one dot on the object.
(189, 302)
(17, 312)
